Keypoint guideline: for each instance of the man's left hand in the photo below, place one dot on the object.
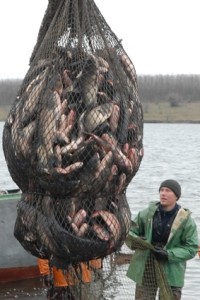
(160, 254)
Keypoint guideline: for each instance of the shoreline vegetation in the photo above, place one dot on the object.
(153, 113)
(165, 98)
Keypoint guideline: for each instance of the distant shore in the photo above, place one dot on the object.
(160, 112)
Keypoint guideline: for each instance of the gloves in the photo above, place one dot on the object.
(160, 254)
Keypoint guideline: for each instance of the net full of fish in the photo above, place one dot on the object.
(73, 137)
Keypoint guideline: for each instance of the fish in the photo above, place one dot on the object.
(48, 125)
(125, 149)
(100, 203)
(122, 161)
(61, 137)
(42, 160)
(119, 158)
(58, 86)
(88, 81)
(122, 129)
(97, 116)
(132, 156)
(102, 98)
(124, 214)
(128, 67)
(32, 97)
(110, 186)
(114, 118)
(110, 139)
(71, 117)
(79, 217)
(80, 232)
(105, 164)
(101, 174)
(111, 221)
(101, 232)
(58, 185)
(31, 230)
(25, 137)
(16, 128)
(44, 229)
(63, 123)
(103, 64)
(121, 184)
(74, 145)
(69, 169)
(87, 174)
(67, 80)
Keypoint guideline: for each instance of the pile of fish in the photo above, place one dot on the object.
(73, 142)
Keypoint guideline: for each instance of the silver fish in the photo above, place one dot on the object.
(88, 81)
(33, 96)
(48, 123)
(25, 138)
(97, 116)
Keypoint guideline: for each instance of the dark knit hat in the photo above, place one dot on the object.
(172, 185)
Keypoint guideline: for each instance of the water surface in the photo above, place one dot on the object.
(170, 151)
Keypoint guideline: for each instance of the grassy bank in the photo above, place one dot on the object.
(155, 112)
(4, 110)
(163, 112)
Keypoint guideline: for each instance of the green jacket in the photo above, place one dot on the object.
(181, 246)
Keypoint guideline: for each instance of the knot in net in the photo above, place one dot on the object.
(73, 137)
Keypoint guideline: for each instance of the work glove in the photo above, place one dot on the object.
(160, 254)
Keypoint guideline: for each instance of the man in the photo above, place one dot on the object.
(172, 234)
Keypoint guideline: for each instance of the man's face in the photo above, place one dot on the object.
(167, 198)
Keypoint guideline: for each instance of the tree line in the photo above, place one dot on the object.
(152, 88)
(162, 88)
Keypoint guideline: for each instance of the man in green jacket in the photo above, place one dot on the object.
(172, 236)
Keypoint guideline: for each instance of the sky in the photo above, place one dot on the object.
(160, 36)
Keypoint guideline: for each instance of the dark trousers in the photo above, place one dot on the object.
(149, 293)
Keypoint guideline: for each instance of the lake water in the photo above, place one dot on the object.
(170, 151)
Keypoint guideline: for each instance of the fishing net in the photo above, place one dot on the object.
(154, 281)
(93, 280)
(107, 280)
(73, 138)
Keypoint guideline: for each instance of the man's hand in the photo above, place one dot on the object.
(160, 254)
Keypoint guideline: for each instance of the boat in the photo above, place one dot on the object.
(15, 262)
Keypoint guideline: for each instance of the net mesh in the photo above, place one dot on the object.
(73, 142)
(154, 281)
(73, 138)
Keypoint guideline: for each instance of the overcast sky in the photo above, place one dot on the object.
(160, 36)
